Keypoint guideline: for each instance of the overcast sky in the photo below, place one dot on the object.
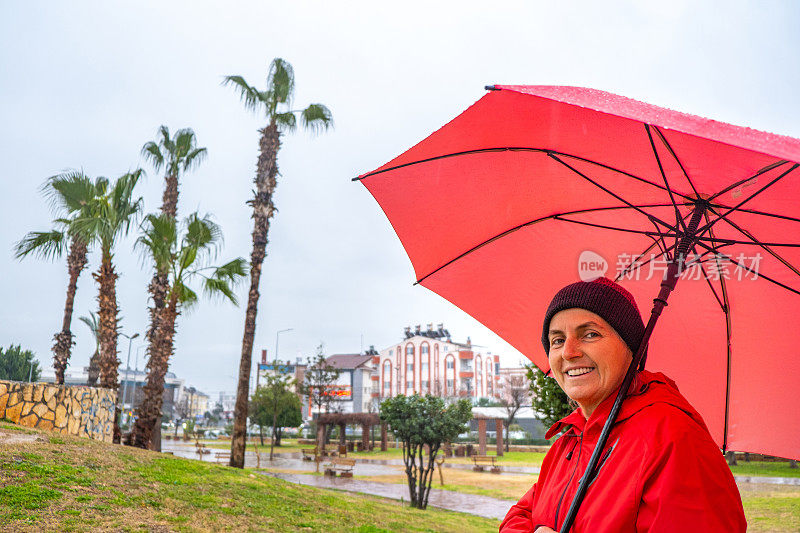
(84, 84)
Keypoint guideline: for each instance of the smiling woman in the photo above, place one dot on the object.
(661, 470)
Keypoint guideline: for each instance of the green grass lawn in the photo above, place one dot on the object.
(764, 468)
(63, 483)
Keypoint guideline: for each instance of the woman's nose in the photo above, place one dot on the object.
(571, 348)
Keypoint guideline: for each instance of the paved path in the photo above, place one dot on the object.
(444, 499)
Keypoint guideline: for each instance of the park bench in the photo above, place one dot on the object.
(481, 461)
(201, 448)
(332, 450)
(342, 465)
(309, 453)
(222, 456)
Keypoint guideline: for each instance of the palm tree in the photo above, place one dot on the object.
(70, 194)
(276, 104)
(176, 154)
(94, 361)
(109, 216)
(183, 258)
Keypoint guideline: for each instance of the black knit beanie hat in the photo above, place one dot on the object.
(605, 298)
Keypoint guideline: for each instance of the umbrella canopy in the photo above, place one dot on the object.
(535, 187)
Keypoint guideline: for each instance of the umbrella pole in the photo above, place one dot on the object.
(674, 270)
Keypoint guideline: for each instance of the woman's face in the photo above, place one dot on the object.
(587, 357)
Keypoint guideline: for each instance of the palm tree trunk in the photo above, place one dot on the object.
(76, 262)
(158, 289)
(169, 201)
(94, 369)
(106, 278)
(263, 210)
(157, 366)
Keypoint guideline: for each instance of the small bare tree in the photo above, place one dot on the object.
(515, 396)
(319, 382)
(182, 410)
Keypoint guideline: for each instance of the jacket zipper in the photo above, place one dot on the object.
(575, 469)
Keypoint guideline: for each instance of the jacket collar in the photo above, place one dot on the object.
(634, 402)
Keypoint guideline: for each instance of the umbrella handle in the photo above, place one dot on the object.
(659, 303)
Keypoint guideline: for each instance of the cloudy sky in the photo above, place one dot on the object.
(85, 84)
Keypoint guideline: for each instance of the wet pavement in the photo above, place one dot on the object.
(768, 480)
(366, 466)
(444, 499)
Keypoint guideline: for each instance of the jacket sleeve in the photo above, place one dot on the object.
(518, 518)
(687, 486)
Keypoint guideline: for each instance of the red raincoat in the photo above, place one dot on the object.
(661, 471)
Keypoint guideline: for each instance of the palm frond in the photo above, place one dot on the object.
(186, 257)
(219, 288)
(225, 279)
(158, 239)
(250, 97)
(152, 153)
(166, 141)
(70, 191)
(202, 233)
(186, 296)
(280, 81)
(92, 322)
(286, 121)
(316, 118)
(194, 158)
(46, 245)
(233, 271)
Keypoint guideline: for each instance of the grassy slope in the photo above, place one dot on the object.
(65, 483)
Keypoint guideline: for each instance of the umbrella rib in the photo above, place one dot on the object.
(651, 234)
(756, 212)
(529, 223)
(702, 268)
(511, 149)
(765, 246)
(727, 310)
(759, 191)
(755, 272)
(593, 182)
(640, 265)
(675, 156)
(678, 218)
(745, 180)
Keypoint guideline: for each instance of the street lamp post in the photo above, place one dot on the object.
(277, 337)
(127, 367)
(136, 374)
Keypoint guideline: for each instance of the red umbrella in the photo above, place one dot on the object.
(533, 187)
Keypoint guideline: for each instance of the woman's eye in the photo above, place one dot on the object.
(592, 334)
(556, 342)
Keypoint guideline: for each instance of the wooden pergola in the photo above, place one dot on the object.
(365, 420)
(482, 434)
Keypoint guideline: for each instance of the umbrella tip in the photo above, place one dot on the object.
(491, 88)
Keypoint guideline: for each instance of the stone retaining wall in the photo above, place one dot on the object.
(76, 410)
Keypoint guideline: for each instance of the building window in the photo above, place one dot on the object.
(466, 365)
(409, 361)
(450, 364)
(478, 376)
(424, 349)
(387, 378)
